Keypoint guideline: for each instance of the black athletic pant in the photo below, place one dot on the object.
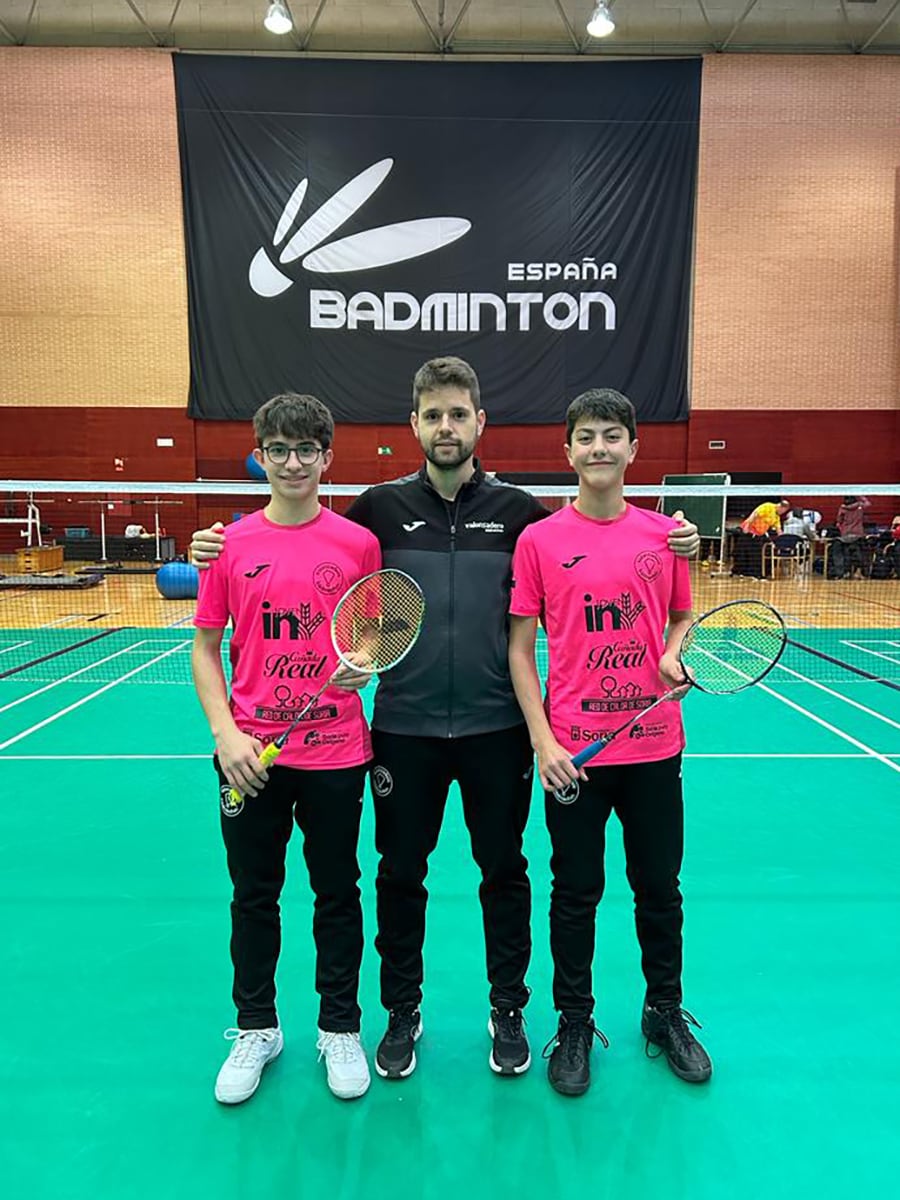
(647, 800)
(410, 780)
(326, 806)
(748, 555)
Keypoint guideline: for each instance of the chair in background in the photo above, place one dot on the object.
(788, 555)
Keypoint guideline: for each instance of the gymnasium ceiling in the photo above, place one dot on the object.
(463, 27)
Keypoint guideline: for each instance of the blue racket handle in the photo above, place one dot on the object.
(588, 752)
(591, 751)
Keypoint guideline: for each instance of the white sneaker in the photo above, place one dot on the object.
(345, 1062)
(242, 1069)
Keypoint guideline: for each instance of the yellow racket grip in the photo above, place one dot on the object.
(268, 756)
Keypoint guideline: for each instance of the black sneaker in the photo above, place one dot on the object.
(395, 1057)
(666, 1026)
(511, 1054)
(569, 1051)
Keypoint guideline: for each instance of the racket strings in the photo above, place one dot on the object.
(733, 646)
(377, 623)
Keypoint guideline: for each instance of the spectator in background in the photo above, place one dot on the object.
(766, 518)
(893, 547)
(852, 530)
(814, 518)
(799, 522)
(763, 522)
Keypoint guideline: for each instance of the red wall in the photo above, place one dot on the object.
(222, 447)
(83, 443)
(807, 446)
(826, 446)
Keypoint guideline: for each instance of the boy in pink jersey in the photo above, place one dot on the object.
(278, 582)
(615, 603)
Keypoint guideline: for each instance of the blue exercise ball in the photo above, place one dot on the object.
(178, 581)
(254, 469)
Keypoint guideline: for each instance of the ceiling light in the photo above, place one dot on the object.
(601, 23)
(278, 19)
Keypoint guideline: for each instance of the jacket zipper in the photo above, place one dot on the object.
(452, 518)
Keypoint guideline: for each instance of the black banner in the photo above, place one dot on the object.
(346, 221)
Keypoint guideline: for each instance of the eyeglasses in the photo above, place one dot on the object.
(278, 453)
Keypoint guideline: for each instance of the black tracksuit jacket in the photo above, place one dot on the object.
(455, 681)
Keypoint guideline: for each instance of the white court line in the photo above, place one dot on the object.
(830, 691)
(884, 758)
(805, 679)
(876, 653)
(206, 757)
(737, 754)
(66, 678)
(63, 620)
(805, 711)
(99, 692)
(145, 757)
(16, 646)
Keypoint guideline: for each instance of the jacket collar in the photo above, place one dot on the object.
(469, 486)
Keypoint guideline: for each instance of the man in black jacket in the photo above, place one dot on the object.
(448, 711)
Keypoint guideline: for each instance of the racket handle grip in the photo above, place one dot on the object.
(589, 752)
(593, 749)
(268, 756)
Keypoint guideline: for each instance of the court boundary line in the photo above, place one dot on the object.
(870, 752)
(866, 600)
(56, 653)
(15, 646)
(876, 653)
(99, 692)
(805, 712)
(839, 662)
(830, 691)
(205, 757)
(799, 707)
(66, 678)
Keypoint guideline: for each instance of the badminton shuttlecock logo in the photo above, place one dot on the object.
(381, 247)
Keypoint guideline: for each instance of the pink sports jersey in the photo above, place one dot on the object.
(603, 591)
(279, 585)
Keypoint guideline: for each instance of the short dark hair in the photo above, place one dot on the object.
(604, 403)
(295, 416)
(449, 372)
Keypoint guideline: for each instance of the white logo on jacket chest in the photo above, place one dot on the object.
(486, 526)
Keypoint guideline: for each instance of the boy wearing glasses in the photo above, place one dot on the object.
(449, 713)
(278, 582)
